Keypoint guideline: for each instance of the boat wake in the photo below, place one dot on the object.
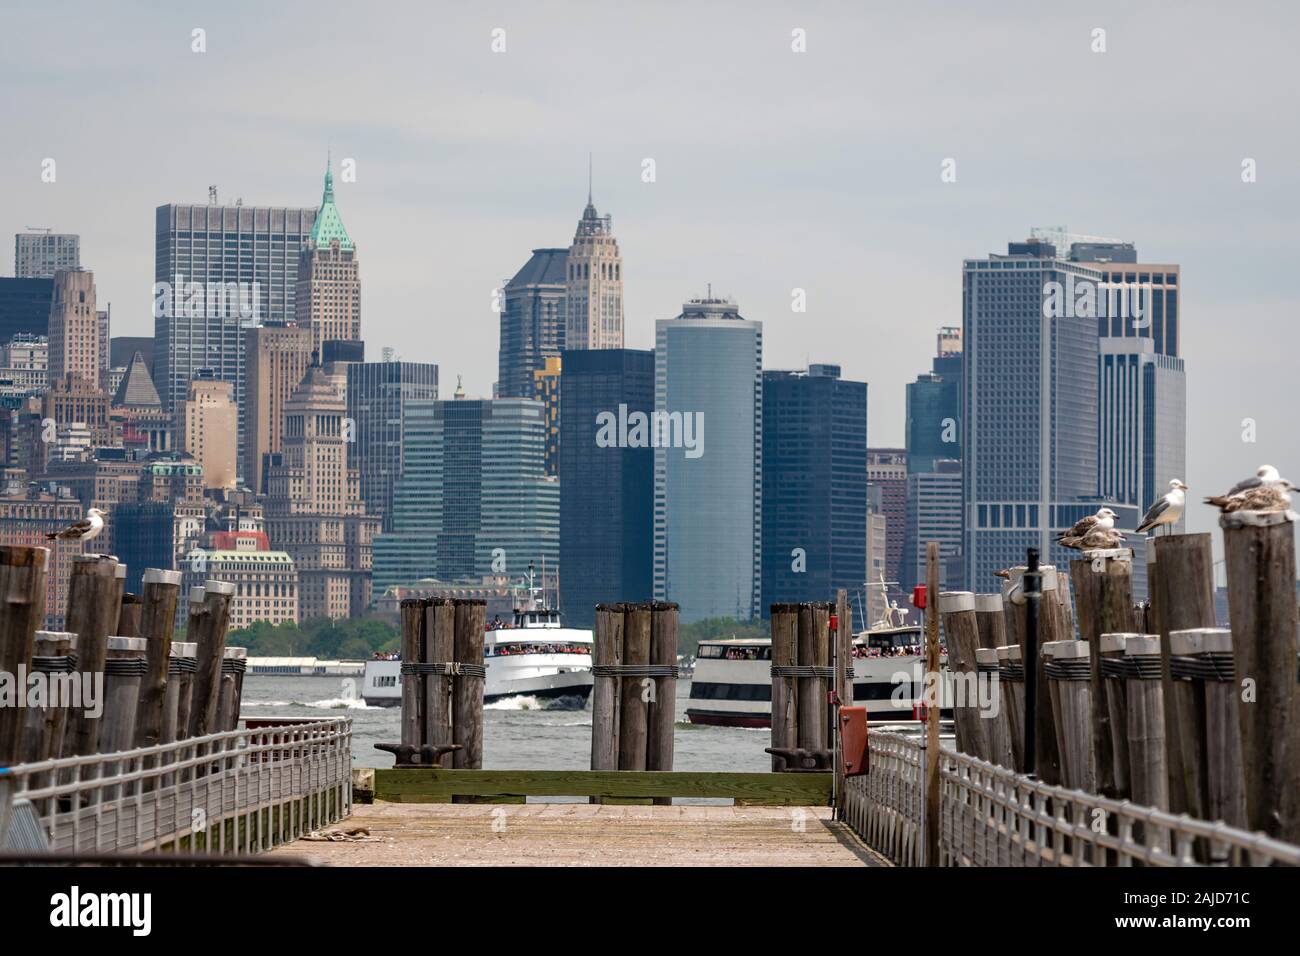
(329, 703)
(530, 702)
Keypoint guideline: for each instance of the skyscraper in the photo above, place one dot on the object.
(934, 513)
(532, 321)
(378, 395)
(594, 280)
(708, 496)
(39, 253)
(74, 328)
(328, 298)
(219, 270)
(887, 483)
(607, 489)
(546, 389)
(278, 358)
(206, 423)
(934, 407)
(473, 499)
(814, 484)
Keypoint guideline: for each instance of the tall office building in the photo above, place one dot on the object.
(872, 609)
(887, 479)
(473, 500)
(594, 271)
(708, 496)
(24, 306)
(314, 509)
(607, 488)
(328, 300)
(206, 422)
(934, 407)
(1030, 449)
(814, 485)
(39, 253)
(377, 396)
(74, 328)
(532, 321)
(218, 271)
(546, 389)
(278, 358)
(934, 513)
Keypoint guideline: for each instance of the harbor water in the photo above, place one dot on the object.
(519, 733)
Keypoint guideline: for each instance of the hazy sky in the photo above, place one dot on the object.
(775, 169)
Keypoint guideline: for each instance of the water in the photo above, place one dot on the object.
(519, 733)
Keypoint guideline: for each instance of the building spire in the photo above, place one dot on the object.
(329, 176)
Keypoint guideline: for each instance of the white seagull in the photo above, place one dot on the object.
(1103, 520)
(1168, 509)
(83, 530)
(1266, 491)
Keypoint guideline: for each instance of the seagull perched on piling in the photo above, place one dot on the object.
(1266, 491)
(1103, 520)
(83, 530)
(1168, 509)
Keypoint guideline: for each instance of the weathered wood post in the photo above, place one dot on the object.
(208, 630)
(412, 651)
(22, 582)
(1069, 672)
(467, 702)
(439, 648)
(1011, 682)
(124, 668)
(1185, 588)
(1146, 722)
(785, 693)
(1047, 759)
(1065, 629)
(1185, 706)
(128, 615)
(93, 604)
(1259, 551)
(162, 590)
(989, 617)
(814, 652)
(53, 654)
(634, 730)
(1103, 581)
(662, 711)
(181, 666)
(607, 648)
(1114, 680)
(999, 735)
(234, 662)
(957, 609)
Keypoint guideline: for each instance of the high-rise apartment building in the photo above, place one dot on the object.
(40, 253)
(532, 321)
(74, 328)
(278, 358)
(328, 300)
(594, 280)
(708, 527)
(607, 487)
(814, 484)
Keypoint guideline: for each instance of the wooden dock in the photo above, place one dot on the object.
(582, 834)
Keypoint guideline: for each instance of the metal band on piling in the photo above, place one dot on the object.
(639, 670)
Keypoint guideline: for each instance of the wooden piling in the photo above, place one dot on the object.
(813, 650)
(999, 733)
(1103, 583)
(957, 609)
(1114, 668)
(181, 665)
(989, 617)
(607, 650)
(785, 693)
(22, 582)
(234, 662)
(208, 631)
(662, 711)
(52, 655)
(1068, 674)
(156, 624)
(467, 689)
(439, 647)
(1011, 681)
(1202, 658)
(412, 651)
(124, 668)
(128, 615)
(634, 730)
(1259, 551)
(1148, 772)
(94, 598)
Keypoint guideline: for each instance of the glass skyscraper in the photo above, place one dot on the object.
(814, 485)
(606, 489)
(532, 322)
(708, 522)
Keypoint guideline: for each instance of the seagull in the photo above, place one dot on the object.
(1168, 509)
(83, 530)
(1266, 491)
(1098, 539)
(1103, 520)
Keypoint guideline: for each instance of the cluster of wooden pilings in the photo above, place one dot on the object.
(442, 683)
(115, 680)
(1152, 702)
(634, 689)
(802, 677)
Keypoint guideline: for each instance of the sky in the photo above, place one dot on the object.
(775, 170)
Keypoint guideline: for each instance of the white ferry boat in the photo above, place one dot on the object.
(534, 656)
(732, 683)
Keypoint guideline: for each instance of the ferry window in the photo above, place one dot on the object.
(710, 651)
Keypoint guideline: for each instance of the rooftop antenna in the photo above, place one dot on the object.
(589, 178)
(212, 195)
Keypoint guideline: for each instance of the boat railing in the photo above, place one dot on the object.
(236, 792)
(993, 816)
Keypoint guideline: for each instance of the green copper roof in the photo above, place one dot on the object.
(329, 224)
